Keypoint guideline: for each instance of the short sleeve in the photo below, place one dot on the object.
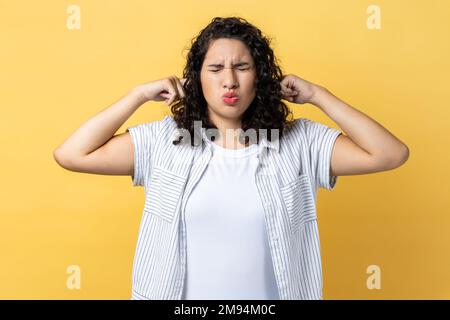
(321, 139)
(142, 137)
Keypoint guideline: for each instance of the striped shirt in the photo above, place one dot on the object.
(287, 177)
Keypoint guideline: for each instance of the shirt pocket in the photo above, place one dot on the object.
(299, 201)
(164, 193)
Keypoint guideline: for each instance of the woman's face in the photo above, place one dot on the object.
(228, 67)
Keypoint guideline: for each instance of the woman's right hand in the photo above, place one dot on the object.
(169, 89)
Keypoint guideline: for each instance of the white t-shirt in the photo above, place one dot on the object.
(228, 255)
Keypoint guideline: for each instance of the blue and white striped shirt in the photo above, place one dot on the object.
(287, 178)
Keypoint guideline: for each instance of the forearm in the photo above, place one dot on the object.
(361, 129)
(100, 128)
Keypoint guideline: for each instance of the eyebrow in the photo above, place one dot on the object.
(234, 65)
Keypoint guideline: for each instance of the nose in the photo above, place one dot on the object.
(230, 79)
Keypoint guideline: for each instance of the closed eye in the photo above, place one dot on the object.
(240, 69)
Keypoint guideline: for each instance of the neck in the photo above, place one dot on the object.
(229, 133)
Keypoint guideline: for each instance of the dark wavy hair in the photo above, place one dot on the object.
(266, 111)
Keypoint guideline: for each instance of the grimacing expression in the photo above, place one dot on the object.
(228, 67)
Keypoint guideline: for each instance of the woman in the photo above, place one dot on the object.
(230, 209)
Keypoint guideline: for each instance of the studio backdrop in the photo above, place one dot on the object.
(67, 235)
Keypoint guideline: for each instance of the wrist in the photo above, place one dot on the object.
(138, 93)
(318, 92)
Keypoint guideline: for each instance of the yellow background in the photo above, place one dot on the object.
(52, 79)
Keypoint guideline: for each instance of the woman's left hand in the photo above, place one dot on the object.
(297, 90)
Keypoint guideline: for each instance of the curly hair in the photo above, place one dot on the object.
(266, 111)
